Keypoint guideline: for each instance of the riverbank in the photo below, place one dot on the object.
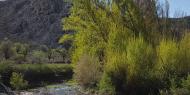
(42, 74)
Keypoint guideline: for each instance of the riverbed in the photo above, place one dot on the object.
(59, 89)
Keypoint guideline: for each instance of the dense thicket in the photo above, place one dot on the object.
(134, 42)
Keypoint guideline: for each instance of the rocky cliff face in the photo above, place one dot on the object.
(33, 21)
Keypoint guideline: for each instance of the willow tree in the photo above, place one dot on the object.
(92, 20)
(104, 28)
(97, 22)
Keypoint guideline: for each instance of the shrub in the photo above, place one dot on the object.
(114, 79)
(19, 59)
(173, 60)
(140, 58)
(63, 53)
(21, 49)
(178, 86)
(106, 86)
(18, 47)
(129, 70)
(6, 49)
(38, 56)
(186, 83)
(88, 71)
(184, 66)
(18, 82)
(168, 58)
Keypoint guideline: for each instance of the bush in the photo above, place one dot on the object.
(88, 71)
(18, 82)
(115, 75)
(173, 58)
(184, 66)
(63, 53)
(19, 59)
(168, 58)
(106, 86)
(22, 51)
(6, 49)
(178, 86)
(38, 57)
(141, 58)
(130, 70)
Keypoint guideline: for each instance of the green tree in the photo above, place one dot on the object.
(18, 47)
(6, 49)
(96, 22)
(19, 59)
(38, 56)
(26, 50)
(63, 53)
(50, 54)
(21, 50)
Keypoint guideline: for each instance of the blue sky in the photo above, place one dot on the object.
(179, 6)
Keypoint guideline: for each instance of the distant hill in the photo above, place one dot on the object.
(180, 24)
(33, 21)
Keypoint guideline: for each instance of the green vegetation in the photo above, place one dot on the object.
(23, 66)
(137, 48)
(39, 56)
(17, 81)
(118, 47)
(82, 74)
(21, 53)
(6, 50)
(178, 87)
(34, 74)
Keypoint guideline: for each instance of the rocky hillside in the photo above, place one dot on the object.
(33, 21)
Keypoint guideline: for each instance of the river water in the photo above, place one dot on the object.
(60, 89)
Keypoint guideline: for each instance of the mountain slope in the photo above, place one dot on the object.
(33, 21)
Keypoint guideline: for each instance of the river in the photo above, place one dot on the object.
(60, 89)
